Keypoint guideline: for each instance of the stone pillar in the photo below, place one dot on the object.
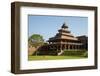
(61, 47)
(75, 47)
(65, 47)
(72, 47)
(68, 47)
(81, 47)
(57, 47)
(78, 47)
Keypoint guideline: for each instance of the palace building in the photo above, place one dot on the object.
(64, 40)
(83, 39)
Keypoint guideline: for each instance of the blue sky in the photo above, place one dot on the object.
(48, 26)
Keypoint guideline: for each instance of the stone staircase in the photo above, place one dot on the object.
(60, 53)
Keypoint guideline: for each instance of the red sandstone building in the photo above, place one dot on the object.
(63, 40)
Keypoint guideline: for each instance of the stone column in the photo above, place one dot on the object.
(72, 47)
(75, 47)
(68, 47)
(57, 47)
(81, 47)
(65, 47)
(78, 47)
(61, 47)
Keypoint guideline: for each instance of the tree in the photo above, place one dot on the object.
(36, 40)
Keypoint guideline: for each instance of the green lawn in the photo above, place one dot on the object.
(30, 58)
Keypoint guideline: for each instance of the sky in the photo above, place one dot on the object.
(48, 26)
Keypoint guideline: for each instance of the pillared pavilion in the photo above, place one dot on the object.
(64, 40)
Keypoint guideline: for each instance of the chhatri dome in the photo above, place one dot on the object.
(64, 25)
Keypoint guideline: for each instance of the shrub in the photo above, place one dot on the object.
(85, 54)
(74, 52)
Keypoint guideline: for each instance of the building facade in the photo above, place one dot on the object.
(64, 40)
(83, 39)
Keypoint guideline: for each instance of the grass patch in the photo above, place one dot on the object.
(68, 54)
(30, 58)
(74, 52)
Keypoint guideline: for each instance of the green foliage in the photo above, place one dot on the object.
(48, 57)
(36, 40)
(47, 52)
(85, 54)
(36, 37)
(74, 52)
